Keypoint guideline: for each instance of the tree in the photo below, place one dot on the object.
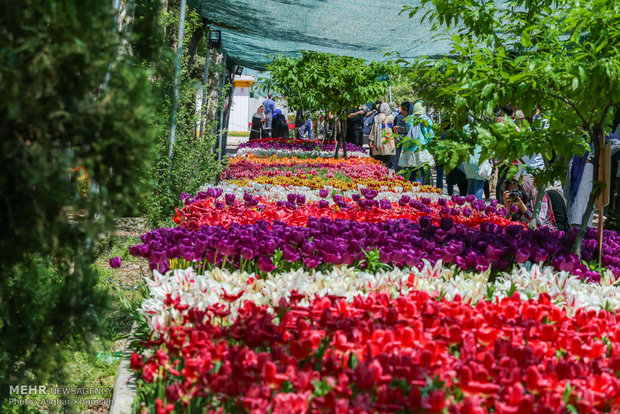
(69, 101)
(559, 55)
(320, 81)
(194, 161)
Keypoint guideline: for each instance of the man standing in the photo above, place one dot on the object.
(270, 108)
(355, 125)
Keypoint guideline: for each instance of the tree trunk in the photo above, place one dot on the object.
(192, 48)
(337, 144)
(344, 138)
(227, 106)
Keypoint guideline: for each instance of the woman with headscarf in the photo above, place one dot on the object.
(382, 140)
(401, 128)
(523, 196)
(420, 131)
(258, 121)
(279, 125)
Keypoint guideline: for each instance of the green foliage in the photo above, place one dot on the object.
(57, 113)
(402, 82)
(194, 161)
(559, 55)
(320, 81)
(194, 164)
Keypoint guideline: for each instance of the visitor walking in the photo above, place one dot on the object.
(402, 129)
(258, 122)
(302, 124)
(280, 125)
(355, 126)
(418, 160)
(369, 119)
(270, 108)
(475, 182)
(382, 142)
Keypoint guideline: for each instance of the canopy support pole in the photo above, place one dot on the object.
(222, 101)
(203, 105)
(177, 80)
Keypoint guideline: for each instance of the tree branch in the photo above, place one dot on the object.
(571, 104)
(599, 126)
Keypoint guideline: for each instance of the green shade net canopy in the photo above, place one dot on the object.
(254, 29)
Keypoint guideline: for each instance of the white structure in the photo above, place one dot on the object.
(240, 115)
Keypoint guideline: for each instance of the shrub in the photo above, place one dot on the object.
(69, 99)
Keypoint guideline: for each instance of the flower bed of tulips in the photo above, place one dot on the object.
(211, 208)
(353, 171)
(293, 161)
(296, 148)
(267, 247)
(382, 354)
(201, 291)
(305, 284)
(276, 192)
(393, 184)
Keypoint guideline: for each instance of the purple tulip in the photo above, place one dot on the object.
(425, 222)
(522, 255)
(400, 242)
(247, 197)
(446, 223)
(442, 202)
(371, 194)
(323, 193)
(459, 200)
(470, 198)
(323, 204)
(301, 200)
(289, 254)
(139, 250)
(490, 211)
(115, 262)
(514, 209)
(312, 262)
(291, 198)
(337, 198)
(247, 254)
(265, 264)
(355, 197)
(478, 205)
(226, 249)
(230, 199)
